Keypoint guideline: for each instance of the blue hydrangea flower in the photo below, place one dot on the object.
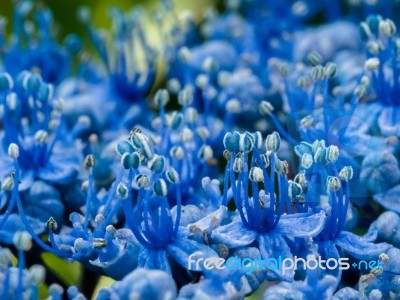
(142, 284)
(47, 151)
(325, 41)
(217, 284)
(337, 191)
(33, 47)
(262, 217)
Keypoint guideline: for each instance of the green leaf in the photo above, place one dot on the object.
(70, 273)
(43, 291)
(104, 281)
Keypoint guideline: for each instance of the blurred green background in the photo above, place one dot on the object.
(65, 10)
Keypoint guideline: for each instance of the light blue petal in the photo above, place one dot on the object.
(347, 293)
(282, 291)
(272, 245)
(358, 144)
(393, 265)
(389, 121)
(189, 214)
(380, 171)
(221, 51)
(209, 222)
(388, 226)
(58, 172)
(125, 260)
(182, 248)
(372, 233)
(144, 284)
(302, 225)
(358, 247)
(27, 178)
(327, 249)
(14, 224)
(390, 199)
(234, 235)
(43, 201)
(365, 115)
(154, 259)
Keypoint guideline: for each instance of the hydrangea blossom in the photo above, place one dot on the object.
(272, 134)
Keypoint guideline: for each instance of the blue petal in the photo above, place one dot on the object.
(257, 276)
(234, 235)
(393, 265)
(125, 260)
(327, 250)
(220, 51)
(326, 40)
(323, 289)
(144, 284)
(154, 259)
(189, 214)
(211, 221)
(388, 227)
(44, 201)
(182, 248)
(282, 291)
(380, 171)
(272, 246)
(347, 293)
(358, 247)
(365, 115)
(58, 172)
(27, 178)
(357, 143)
(14, 224)
(372, 233)
(302, 225)
(389, 121)
(390, 199)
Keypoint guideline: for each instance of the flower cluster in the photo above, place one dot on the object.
(270, 143)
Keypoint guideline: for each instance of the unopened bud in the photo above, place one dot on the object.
(51, 224)
(42, 137)
(273, 142)
(330, 70)
(8, 183)
(372, 64)
(256, 174)
(99, 243)
(333, 183)
(161, 98)
(122, 191)
(13, 151)
(233, 106)
(89, 161)
(142, 181)
(294, 189)
(172, 176)
(306, 161)
(157, 164)
(317, 73)
(332, 153)
(22, 240)
(160, 187)
(346, 173)
(265, 108)
(387, 28)
(177, 152)
(37, 274)
(205, 152)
